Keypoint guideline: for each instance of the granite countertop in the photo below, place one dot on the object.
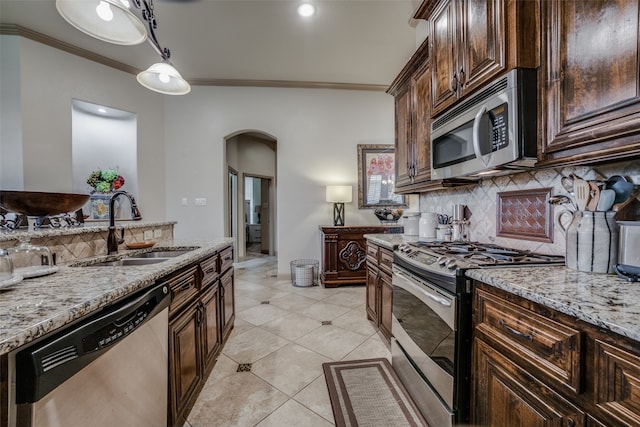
(37, 306)
(88, 227)
(603, 300)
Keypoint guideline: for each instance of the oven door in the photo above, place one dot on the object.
(424, 325)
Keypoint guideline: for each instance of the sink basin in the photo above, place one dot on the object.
(126, 262)
(160, 254)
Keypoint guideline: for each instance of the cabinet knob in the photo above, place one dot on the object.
(461, 77)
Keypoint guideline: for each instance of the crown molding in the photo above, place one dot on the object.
(18, 30)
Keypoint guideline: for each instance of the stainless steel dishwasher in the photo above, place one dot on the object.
(107, 370)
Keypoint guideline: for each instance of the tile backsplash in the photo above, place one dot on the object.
(481, 200)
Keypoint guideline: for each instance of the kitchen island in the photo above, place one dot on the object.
(200, 279)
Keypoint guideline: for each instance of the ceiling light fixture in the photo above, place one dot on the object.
(114, 21)
(306, 10)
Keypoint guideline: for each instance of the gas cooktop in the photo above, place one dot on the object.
(452, 257)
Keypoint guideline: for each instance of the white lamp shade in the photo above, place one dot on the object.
(339, 193)
(164, 78)
(107, 20)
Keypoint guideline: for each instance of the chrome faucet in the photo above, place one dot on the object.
(112, 239)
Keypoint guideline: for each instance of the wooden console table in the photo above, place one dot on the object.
(344, 253)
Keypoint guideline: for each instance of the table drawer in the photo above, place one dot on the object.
(546, 348)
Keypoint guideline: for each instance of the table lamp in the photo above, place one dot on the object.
(338, 195)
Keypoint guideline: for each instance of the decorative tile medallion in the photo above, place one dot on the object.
(525, 214)
(244, 367)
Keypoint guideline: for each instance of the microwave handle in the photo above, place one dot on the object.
(476, 137)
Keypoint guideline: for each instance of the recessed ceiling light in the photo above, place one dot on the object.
(102, 110)
(306, 10)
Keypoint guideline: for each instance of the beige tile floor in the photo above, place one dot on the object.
(279, 330)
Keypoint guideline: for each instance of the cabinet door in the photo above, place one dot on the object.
(386, 299)
(482, 52)
(421, 126)
(443, 54)
(372, 293)
(227, 304)
(210, 326)
(506, 395)
(185, 372)
(404, 152)
(591, 104)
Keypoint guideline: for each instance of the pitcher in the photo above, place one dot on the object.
(592, 241)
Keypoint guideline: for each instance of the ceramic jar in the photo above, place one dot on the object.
(592, 241)
(427, 225)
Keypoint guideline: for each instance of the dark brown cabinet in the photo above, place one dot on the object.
(535, 366)
(590, 93)
(185, 372)
(412, 91)
(379, 287)
(201, 317)
(344, 253)
(468, 48)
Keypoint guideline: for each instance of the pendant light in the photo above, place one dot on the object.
(114, 21)
(108, 20)
(164, 78)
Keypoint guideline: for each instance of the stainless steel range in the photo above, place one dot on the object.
(431, 324)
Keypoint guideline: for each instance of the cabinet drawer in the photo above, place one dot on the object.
(210, 270)
(386, 260)
(547, 349)
(226, 259)
(372, 252)
(616, 385)
(184, 286)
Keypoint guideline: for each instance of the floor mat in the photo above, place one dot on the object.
(369, 393)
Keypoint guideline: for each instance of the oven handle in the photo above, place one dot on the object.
(440, 300)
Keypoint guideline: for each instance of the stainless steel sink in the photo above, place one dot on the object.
(160, 254)
(125, 262)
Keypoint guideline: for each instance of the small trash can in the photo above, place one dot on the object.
(304, 272)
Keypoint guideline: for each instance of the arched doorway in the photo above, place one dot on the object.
(250, 207)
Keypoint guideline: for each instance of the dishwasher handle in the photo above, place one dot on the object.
(41, 367)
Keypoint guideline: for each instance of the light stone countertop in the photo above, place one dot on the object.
(603, 300)
(34, 307)
(88, 227)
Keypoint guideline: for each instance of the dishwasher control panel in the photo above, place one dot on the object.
(115, 331)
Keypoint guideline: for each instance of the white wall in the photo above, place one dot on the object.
(317, 133)
(11, 175)
(48, 82)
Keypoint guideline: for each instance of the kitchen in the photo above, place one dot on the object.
(298, 196)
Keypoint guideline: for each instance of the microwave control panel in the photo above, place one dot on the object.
(499, 123)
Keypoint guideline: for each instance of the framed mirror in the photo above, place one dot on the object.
(376, 177)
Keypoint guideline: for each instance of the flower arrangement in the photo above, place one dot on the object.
(105, 181)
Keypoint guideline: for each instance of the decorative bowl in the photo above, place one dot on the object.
(388, 215)
(34, 203)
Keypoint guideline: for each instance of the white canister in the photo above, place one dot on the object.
(411, 223)
(427, 225)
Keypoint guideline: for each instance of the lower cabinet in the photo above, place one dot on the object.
(534, 366)
(379, 287)
(201, 317)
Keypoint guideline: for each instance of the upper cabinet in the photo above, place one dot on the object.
(473, 41)
(590, 89)
(468, 47)
(412, 90)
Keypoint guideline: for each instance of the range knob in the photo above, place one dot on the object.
(442, 260)
(451, 263)
(404, 248)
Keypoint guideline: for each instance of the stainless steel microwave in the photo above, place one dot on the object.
(491, 132)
